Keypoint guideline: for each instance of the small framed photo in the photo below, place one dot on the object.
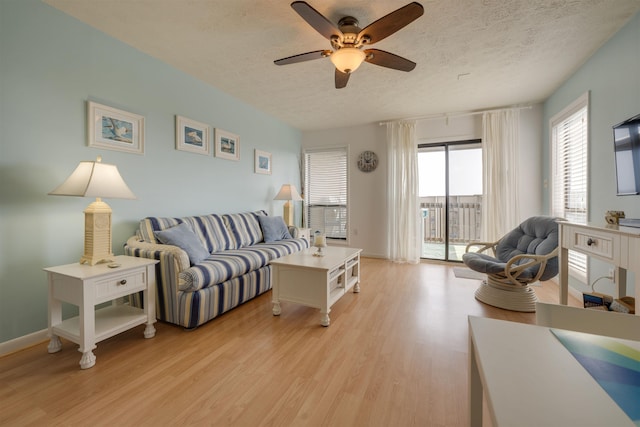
(114, 129)
(192, 136)
(227, 145)
(262, 162)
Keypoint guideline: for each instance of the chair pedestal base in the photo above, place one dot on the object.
(510, 297)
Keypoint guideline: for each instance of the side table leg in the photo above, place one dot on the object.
(149, 331)
(88, 360)
(55, 345)
(324, 319)
(276, 308)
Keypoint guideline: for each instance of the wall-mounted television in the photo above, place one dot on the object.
(626, 139)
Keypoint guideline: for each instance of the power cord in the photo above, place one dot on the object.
(600, 278)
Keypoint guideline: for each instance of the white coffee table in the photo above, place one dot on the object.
(315, 281)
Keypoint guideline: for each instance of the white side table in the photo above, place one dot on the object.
(305, 233)
(86, 286)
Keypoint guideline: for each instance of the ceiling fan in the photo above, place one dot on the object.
(348, 40)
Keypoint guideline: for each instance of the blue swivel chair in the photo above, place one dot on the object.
(527, 254)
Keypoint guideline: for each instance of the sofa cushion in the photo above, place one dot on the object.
(210, 229)
(273, 228)
(183, 236)
(222, 266)
(244, 228)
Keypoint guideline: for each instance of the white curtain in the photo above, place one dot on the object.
(500, 141)
(403, 208)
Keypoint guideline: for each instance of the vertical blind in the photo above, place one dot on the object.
(325, 192)
(570, 150)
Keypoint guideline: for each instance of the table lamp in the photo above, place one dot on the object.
(288, 192)
(96, 179)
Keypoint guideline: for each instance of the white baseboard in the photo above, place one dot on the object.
(370, 255)
(23, 342)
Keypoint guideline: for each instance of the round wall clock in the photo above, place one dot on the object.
(367, 161)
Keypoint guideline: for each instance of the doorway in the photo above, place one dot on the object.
(450, 176)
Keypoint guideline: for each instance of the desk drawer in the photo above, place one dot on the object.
(604, 246)
(118, 286)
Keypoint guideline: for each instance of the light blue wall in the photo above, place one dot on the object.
(612, 76)
(50, 65)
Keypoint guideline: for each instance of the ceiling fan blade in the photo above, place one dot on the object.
(392, 22)
(309, 56)
(316, 20)
(389, 60)
(341, 79)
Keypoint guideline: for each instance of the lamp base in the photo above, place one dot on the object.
(288, 214)
(97, 234)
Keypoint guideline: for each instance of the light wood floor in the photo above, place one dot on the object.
(394, 355)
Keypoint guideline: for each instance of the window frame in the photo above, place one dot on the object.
(331, 148)
(558, 119)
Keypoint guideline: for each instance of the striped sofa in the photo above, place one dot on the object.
(237, 269)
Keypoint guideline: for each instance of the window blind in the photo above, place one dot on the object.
(570, 159)
(326, 192)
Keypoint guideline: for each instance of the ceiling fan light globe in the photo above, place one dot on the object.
(347, 59)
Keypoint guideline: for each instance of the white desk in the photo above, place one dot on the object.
(616, 245)
(530, 379)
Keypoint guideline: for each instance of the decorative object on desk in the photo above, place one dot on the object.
(227, 145)
(192, 136)
(367, 161)
(629, 222)
(289, 193)
(114, 129)
(96, 179)
(320, 242)
(262, 162)
(613, 217)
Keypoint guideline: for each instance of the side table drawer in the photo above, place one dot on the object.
(117, 286)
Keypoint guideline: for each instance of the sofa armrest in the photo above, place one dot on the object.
(136, 247)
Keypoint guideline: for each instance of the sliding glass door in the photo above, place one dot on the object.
(450, 197)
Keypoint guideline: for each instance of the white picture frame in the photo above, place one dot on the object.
(262, 162)
(227, 145)
(113, 129)
(193, 136)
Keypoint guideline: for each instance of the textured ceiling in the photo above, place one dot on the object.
(471, 54)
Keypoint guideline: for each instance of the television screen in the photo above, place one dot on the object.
(626, 137)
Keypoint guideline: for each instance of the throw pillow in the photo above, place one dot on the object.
(183, 237)
(273, 228)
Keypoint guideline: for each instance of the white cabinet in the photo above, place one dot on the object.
(304, 233)
(87, 286)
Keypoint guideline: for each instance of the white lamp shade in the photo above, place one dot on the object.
(347, 59)
(288, 192)
(95, 179)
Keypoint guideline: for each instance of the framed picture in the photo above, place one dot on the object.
(227, 145)
(192, 136)
(114, 129)
(262, 162)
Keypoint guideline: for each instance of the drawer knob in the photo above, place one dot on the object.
(590, 242)
(123, 281)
